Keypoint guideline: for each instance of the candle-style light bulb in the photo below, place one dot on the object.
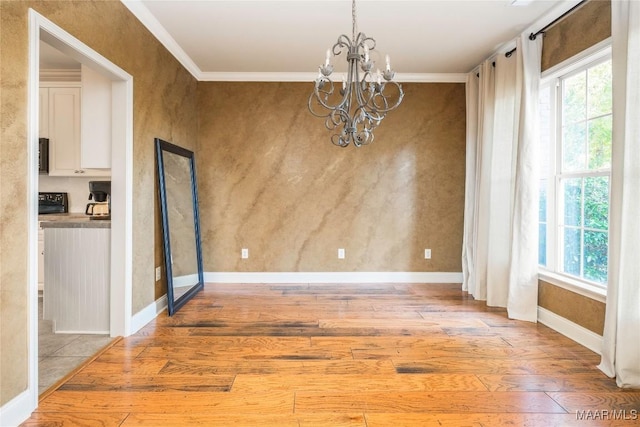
(326, 63)
(378, 76)
(366, 53)
(388, 62)
(344, 82)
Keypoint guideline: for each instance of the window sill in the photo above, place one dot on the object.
(573, 285)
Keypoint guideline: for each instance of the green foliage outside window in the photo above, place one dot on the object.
(586, 148)
(586, 120)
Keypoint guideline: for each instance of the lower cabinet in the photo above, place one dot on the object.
(40, 260)
(77, 265)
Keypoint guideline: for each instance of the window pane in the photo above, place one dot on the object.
(542, 244)
(572, 201)
(572, 243)
(595, 256)
(574, 100)
(574, 147)
(544, 124)
(600, 89)
(542, 192)
(596, 202)
(600, 142)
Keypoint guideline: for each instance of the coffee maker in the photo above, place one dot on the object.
(100, 191)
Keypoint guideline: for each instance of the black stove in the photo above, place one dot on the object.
(50, 203)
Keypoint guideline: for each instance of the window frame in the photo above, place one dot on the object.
(550, 80)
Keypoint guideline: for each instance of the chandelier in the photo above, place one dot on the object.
(360, 104)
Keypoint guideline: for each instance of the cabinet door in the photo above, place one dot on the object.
(43, 131)
(96, 120)
(40, 260)
(64, 131)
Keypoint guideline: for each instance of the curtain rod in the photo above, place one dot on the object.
(533, 36)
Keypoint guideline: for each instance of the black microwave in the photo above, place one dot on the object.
(43, 155)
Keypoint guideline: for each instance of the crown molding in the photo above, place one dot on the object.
(311, 76)
(141, 12)
(550, 16)
(147, 19)
(60, 75)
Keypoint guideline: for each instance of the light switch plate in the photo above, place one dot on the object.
(158, 273)
(244, 253)
(341, 253)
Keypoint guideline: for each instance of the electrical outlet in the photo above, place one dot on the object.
(158, 273)
(427, 254)
(244, 253)
(341, 253)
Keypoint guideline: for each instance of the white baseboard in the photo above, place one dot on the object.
(571, 330)
(18, 409)
(147, 314)
(333, 277)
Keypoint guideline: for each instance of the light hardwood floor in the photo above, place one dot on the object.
(340, 355)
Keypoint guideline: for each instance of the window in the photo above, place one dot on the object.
(575, 144)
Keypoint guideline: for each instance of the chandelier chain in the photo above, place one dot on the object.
(354, 24)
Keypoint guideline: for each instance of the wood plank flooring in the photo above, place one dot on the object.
(340, 355)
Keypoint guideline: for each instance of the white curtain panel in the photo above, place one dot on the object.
(621, 341)
(468, 236)
(501, 204)
(523, 270)
(484, 147)
(501, 179)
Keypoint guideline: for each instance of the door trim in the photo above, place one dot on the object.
(121, 181)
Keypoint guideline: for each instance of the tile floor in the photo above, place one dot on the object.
(59, 354)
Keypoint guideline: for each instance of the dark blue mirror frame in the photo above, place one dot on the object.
(161, 147)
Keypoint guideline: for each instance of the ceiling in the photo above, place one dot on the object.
(53, 59)
(287, 40)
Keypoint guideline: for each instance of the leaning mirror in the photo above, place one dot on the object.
(180, 223)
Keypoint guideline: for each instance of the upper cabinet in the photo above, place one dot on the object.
(64, 131)
(76, 117)
(96, 120)
(44, 113)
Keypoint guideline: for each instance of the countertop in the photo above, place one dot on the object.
(71, 220)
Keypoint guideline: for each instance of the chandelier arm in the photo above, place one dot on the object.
(322, 95)
(344, 42)
(387, 107)
(316, 95)
(363, 40)
(358, 84)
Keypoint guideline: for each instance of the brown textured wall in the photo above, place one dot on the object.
(270, 180)
(164, 106)
(582, 310)
(585, 27)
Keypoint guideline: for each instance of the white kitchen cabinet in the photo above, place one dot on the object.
(43, 131)
(64, 132)
(96, 120)
(40, 260)
(78, 271)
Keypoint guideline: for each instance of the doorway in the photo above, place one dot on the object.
(41, 29)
